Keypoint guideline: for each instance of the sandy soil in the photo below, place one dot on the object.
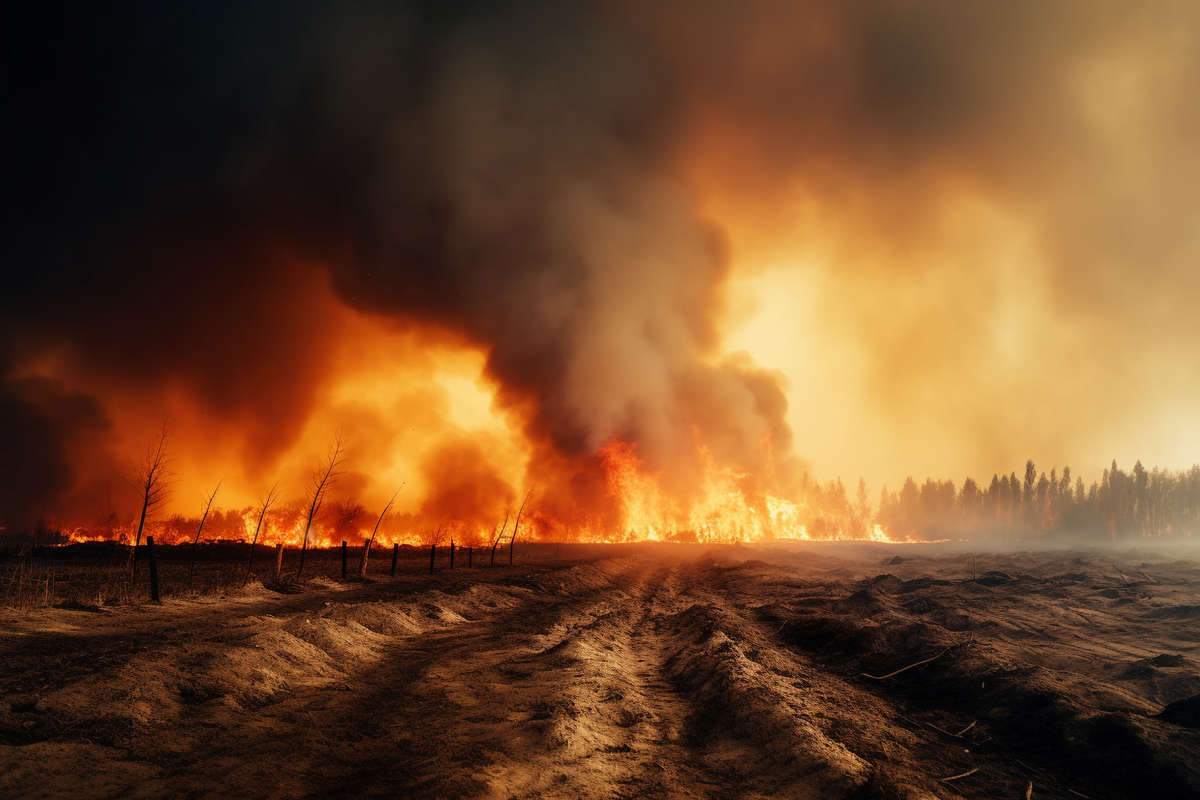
(651, 673)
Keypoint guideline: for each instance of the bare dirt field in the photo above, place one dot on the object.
(636, 672)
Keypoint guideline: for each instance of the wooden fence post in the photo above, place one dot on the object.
(343, 559)
(451, 554)
(395, 555)
(469, 551)
(432, 553)
(153, 570)
(278, 561)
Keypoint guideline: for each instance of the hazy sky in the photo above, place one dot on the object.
(995, 259)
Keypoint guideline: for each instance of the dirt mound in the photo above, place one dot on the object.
(740, 696)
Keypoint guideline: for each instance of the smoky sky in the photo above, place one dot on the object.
(183, 179)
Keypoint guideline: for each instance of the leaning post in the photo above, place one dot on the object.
(395, 556)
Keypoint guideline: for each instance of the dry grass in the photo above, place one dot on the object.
(91, 576)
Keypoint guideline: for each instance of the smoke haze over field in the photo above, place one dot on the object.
(487, 242)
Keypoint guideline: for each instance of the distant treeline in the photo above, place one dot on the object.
(1120, 505)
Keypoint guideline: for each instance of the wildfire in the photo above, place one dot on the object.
(82, 535)
(723, 507)
(723, 510)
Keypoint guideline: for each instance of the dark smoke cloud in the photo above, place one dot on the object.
(45, 428)
(519, 174)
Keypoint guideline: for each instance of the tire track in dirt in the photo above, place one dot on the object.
(235, 700)
(548, 704)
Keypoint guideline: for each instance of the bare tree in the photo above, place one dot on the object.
(437, 538)
(153, 484)
(267, 502)
(497, 537)
(323, 477)
(362, 567)
(516, 526)
(199, 529)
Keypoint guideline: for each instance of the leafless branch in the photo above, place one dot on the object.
(516, 526)
(498, 537)
(267, 502)
(199, 529)
(322, 479)
(153, 483)
(362, 568)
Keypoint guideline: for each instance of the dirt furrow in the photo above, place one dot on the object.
(620, 678)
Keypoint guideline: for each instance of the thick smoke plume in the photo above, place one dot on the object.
(219, 208)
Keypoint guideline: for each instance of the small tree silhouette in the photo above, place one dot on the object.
(153, 484)
(323, 477)
(362, 567)
(199, 529)
(267, 502)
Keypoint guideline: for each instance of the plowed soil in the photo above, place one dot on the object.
(655, 672)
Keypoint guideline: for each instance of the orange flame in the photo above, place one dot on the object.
(722, 510)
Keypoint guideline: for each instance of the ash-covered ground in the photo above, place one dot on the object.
(635, 672)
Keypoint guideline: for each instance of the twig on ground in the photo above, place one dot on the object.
(1080, 794)
(910, 666)
(971, 771)
(943, 731)
(1026, 766)
(964, 730)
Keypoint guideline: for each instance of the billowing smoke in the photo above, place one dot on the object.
(210, 199)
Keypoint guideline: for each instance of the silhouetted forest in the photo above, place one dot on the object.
(1121, 505)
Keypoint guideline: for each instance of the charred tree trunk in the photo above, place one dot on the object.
(470, 550)
(153, 492)
(395, 556)
(137, 540)
(432, 554)
(249, 565)
(451, 554)
(153, 570)
(343, 559)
